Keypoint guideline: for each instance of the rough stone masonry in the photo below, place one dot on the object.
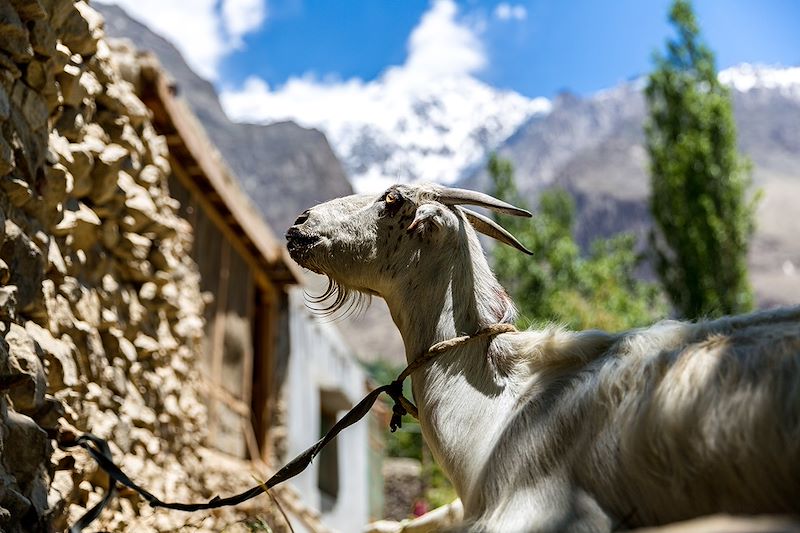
(100, 309)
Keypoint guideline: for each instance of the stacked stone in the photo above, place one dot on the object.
(100, 309)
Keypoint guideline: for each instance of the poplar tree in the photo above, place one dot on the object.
(703, 219)
(559, 283)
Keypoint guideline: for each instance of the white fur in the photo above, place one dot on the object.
(561, 431)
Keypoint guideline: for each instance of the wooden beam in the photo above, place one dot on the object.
(173, 139)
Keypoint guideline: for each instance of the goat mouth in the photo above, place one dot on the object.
(299, 243)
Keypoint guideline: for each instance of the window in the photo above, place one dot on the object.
(328, 465)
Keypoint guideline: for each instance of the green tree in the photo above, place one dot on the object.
(703, 220)
(558, 284)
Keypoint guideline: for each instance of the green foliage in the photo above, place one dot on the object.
(703, 220)
(558, 284)
(438, 489)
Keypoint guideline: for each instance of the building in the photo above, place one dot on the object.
(275, 377)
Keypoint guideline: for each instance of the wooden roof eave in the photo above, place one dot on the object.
(200, 159)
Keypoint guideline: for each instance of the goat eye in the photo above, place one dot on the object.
(392, 197)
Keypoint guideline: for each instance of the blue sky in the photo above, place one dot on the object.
(534, 47)
(428, 84)
(538, 49)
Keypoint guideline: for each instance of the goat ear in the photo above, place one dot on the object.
(490, 228)
(424, 218)
(452, 196)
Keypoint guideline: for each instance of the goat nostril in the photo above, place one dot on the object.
(302, 218)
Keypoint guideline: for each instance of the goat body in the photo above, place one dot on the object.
(561, 431)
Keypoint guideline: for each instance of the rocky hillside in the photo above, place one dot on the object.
(284, 168)
(594, 147)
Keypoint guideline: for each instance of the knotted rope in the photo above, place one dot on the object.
(402, 405)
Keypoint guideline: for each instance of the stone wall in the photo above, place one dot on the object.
(100, 310)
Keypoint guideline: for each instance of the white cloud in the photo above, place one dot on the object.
(439, 47)
(243, 16)
(202, 30)
(506, 11)
(429, 118)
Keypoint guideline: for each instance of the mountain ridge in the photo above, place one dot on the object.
(283, 160)
(403, 127)
(594, 148)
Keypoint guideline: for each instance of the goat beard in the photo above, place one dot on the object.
(336, 297)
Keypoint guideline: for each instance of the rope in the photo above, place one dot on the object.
(400, 401)
(99, 450)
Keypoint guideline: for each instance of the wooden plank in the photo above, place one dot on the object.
(194, 170)
(213, 213)
(218, 339)
(264, 392)
(273, 388)
(173, 139)
(194, 214)
(250, 354)
(218, 335)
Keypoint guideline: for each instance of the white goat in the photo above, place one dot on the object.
(559, 431)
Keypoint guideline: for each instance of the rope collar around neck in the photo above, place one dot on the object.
(403, 405)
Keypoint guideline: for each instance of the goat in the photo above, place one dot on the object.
(554, 430)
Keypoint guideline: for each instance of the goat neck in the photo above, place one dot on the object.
(454, 293)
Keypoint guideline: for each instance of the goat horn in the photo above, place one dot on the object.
(451, 196)
(490, 228)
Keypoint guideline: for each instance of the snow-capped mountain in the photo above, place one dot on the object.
(434, 134)
(400, 127)
(746, 77)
